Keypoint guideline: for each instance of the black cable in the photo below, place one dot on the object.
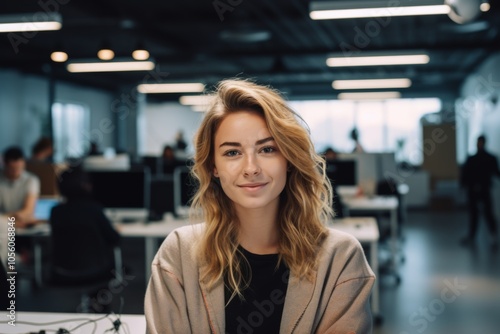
(89, 321)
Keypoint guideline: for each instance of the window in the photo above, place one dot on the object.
(383, 126)
(71, 123)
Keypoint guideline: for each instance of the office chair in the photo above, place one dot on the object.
(80, 263)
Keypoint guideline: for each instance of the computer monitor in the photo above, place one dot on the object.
(154, 163)
(185, 186)
(124, 192)
(342, 172)
(161, 197)
(43, 207)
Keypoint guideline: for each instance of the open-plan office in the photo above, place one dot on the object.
(401, 100)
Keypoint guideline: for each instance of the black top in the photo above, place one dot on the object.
(478, 171)
(82, 238)
(262, 307)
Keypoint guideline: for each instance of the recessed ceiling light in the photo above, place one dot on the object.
(105, 54)
(485, 6)
(140, 54)
(59, 56)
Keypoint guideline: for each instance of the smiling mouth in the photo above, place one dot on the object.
(253, 186)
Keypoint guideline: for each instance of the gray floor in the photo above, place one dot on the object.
(445, 288)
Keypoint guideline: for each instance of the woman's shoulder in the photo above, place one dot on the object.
(346, 254)
(177, 252)
(341, 240)
(182, 239)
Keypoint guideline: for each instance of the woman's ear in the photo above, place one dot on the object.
(215, 172)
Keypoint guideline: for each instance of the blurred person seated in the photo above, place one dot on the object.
(43, 150)
(82, 236)
(19, 189)
(94, 149)
(42, 166)
(170, 160)
(331, 156)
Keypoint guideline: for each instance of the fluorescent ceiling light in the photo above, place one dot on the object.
(199, 108)
(369, 96)
(171, 88)
(40, 21)
(377, 60)
(195, 100)
(114, 66)
(331, 10)
(371, 83)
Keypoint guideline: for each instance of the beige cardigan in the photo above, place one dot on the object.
(337, 301)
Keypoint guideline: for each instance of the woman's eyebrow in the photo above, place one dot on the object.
(265, 140)
(258, 142)
(229, 143)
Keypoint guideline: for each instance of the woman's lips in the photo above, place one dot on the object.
(252, 186)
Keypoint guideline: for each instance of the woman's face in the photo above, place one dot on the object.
(252, 171)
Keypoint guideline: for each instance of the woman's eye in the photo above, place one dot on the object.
(268, 149)
(231, 153)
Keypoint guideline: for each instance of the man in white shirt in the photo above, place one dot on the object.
(19, 189)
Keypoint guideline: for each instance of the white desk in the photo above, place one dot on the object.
(41, 321)
(150, 232)
(380, 204)
(364, 229)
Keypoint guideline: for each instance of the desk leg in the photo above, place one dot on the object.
(374, 265)
(394, 237)
(38, 264)
(150, 244)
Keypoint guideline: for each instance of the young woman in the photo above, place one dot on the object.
(263, 261)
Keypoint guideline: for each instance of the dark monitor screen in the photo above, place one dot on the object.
(342, 172)
(154, 164)
(185, 186)
(121, 189)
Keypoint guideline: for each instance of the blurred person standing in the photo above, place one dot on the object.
(476, 178)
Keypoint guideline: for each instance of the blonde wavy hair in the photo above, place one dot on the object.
(305, 203)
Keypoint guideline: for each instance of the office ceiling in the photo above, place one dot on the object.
(274, 42)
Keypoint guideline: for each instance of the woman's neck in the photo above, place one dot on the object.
(258, 232)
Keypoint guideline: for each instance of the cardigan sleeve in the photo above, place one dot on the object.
(165, 304)
(348, 309)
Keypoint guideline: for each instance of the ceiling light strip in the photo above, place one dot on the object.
(369, 96)
(378, 60)
(122, 66)
(171, 88)
(335, 14)
(372, 83)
